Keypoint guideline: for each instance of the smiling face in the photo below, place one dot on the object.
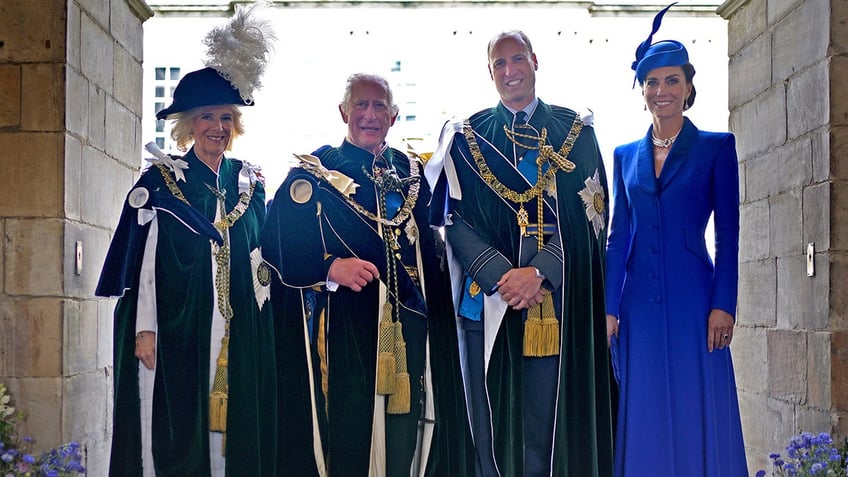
(211, 128)
(665, 91)
(513, 69)
(368, 115)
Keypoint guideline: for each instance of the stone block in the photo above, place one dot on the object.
(43, 97)
(749, 350)
(40, 398)
(2, 268)
(787, 365)
(105, 320)
(753, 411)
(94, 242)
(33, 35)
(757, 303)
(743, 183)
(34, 257)
(76, 114)
(754, 231)
(778, 9)
(808, 99)
(839, 216)
(781, 423)
(763, 121)
(836, 162)
(749, 71)
(820, 141)
(838, 28)
(838, 298)
(128, 81)
(97, 117)
(10, 96)
(815, 420)
(99, 10)
(72, 45)
(839, 370)
(799, 39)
(85, 405)
(816, 223)
(73, 177)
(122, 140)
(80, 343)
(746, 24)
(786, 168)
(784, 217)
(837, 97)
(101, 205)
(33, 159)
(96, 54)
(126, 28)
(33, 330)
(818, 373)
(802, 301)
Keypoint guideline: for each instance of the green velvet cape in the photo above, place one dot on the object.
(184, 300)
(301, 238)
(583, 429)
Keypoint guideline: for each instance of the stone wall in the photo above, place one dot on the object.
(789, 109)
(70, 108)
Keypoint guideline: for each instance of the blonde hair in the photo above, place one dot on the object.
(181, 128)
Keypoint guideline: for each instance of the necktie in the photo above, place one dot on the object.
(526, 158)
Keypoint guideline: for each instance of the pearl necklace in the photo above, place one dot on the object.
(664, 143)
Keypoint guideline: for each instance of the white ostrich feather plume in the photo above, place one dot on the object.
(239, 50)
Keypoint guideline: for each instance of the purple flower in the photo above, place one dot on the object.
(761, 473)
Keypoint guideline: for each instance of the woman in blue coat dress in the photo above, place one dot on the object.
(670, 307)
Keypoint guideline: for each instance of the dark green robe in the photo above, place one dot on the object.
(583, 427)
(184, 301)
(333, 431)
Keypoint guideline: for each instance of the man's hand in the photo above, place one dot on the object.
(612, 328)
(352, 273)
(719, 329)
(521, 288)
(145, 348)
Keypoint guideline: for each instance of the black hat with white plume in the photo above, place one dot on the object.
(236, 57)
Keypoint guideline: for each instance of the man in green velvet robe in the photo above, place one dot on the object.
(366, 342)
(521, 191)
(194, 358)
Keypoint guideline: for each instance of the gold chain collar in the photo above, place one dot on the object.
(228, 220)
(558, 160)
(403, 212)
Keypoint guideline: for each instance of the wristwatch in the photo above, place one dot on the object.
(539, 274)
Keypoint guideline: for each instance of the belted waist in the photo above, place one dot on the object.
(547, 229)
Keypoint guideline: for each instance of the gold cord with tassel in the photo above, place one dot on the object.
(541, 329)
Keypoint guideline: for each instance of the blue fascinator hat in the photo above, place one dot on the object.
(662, 53)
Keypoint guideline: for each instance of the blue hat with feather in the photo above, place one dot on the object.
(662, 53)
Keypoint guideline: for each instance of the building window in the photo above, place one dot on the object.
(165, 82)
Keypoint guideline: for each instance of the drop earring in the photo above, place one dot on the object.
(644, 107)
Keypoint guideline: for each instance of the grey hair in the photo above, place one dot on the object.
(517, 34)
(367, 78)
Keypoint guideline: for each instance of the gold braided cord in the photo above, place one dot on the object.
(229, 219)
(219, 393)
(558, 161)
(404, 211)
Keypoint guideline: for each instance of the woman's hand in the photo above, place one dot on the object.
(145, 348)
(612, 328)
(719, 329)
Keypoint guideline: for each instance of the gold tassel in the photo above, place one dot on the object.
(386, 364)
(399, 401)
(550, 328)
(541, 330)
(218, 397)
(533, 331)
